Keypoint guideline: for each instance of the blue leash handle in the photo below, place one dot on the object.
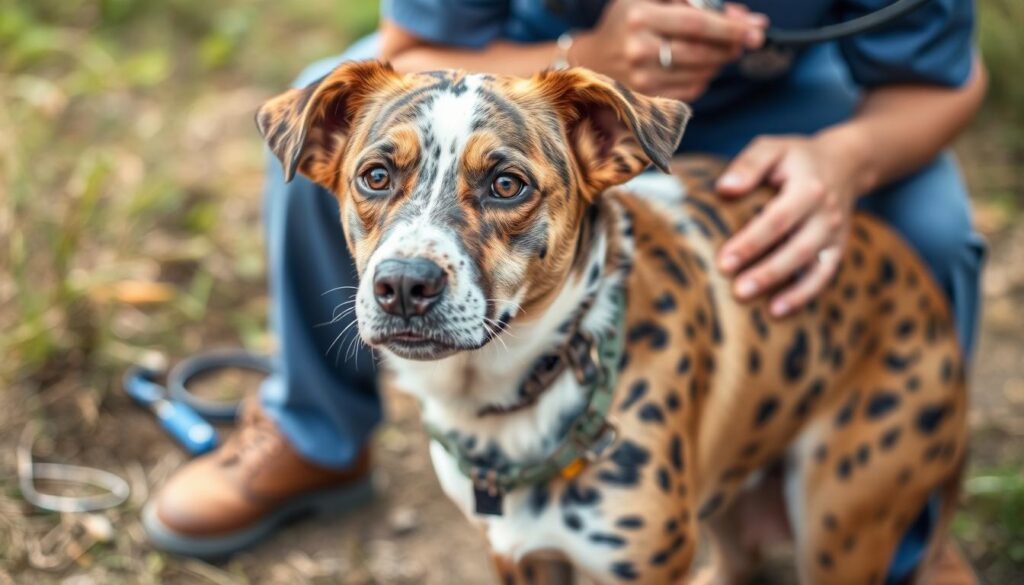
(180, 420)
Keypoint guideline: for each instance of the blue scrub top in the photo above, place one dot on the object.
(932, 44)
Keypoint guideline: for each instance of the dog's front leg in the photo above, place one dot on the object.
(534, 570)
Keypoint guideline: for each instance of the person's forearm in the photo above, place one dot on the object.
(899, 129)
(408, 55)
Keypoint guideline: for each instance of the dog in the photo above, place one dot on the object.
(595, 394)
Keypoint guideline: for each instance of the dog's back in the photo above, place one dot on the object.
(861, 395)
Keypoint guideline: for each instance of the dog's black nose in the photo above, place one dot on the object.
(408, 287)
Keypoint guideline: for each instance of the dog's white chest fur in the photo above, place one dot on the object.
(452, 391)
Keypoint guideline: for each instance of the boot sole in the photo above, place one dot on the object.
(322, 503)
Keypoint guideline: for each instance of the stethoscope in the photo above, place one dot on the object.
(781, 45)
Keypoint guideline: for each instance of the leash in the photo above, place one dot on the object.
(590, 435)
(184, 415)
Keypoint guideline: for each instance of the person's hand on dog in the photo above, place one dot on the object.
(801, 233)
(629, 41)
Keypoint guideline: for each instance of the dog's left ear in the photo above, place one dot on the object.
(616, 133)
(305, 128)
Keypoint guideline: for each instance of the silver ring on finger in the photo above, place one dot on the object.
(665, 55)
(827, 254)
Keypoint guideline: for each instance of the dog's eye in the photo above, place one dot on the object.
(507, 186)
(376, 178)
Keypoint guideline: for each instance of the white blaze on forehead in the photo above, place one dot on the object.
(449, 120)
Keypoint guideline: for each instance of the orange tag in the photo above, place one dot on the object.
(573, 469)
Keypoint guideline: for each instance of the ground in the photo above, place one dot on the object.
(131, 186)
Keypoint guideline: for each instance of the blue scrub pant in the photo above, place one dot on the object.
(323, 396)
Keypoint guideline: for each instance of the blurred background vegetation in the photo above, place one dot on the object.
(130, 183)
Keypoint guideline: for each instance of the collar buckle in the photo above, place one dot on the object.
(584, 357)
(603, 443)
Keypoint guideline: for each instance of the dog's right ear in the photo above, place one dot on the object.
(306, 128)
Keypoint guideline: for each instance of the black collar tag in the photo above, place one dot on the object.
(488, 501)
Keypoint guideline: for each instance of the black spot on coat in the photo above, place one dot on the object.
(612, 540)
(624, 570)
(636, 391)
(931, 416)
(795, 362)
(628, 459)
(881, 403)
(890, 438)
(648, 330)
(630, 522)
(651, 412)
(711, 506)
(675, 452)
(765, 411)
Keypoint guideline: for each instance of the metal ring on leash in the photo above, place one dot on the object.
(205, 363)
(116, 488)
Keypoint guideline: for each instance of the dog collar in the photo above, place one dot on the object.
(594, 362)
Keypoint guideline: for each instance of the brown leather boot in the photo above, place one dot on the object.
(228, 499)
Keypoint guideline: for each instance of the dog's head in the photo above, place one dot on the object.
(462, 195)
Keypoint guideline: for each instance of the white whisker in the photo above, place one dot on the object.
(336, 318)
(331, 346)
(337, 288)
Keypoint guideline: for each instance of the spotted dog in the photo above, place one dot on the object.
(595, 393)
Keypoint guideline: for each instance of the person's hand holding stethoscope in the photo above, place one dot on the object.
(668, 49)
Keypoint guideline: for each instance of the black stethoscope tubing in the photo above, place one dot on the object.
(856, 26)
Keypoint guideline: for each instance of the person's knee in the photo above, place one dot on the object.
(943, 238)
